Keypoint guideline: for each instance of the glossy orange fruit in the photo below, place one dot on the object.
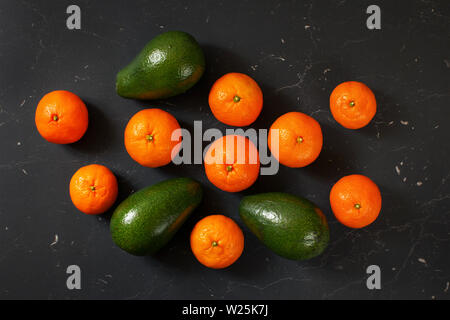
(217, 241)
(236, 99)
(353, 104)
(355, 201)
(232, 163)
(93, 189)
(148, 137)
(299, 139)
(61, 117)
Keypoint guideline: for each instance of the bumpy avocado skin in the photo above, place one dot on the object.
(145, 221)
(168, 65)
(292, 227)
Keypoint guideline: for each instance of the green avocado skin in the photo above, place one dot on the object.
(145, 221)
(292, 227)
(168, 65)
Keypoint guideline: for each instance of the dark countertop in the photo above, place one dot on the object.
(298, 51)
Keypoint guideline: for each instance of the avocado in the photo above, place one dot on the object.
(290, 226)
(145, 221)
(168, 65)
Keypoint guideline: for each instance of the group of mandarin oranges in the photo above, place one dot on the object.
(236, 100)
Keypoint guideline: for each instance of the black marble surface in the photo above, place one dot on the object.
(298, 51)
